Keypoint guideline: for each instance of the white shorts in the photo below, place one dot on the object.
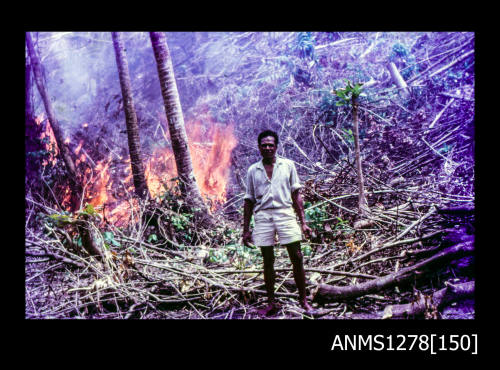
(280, 221)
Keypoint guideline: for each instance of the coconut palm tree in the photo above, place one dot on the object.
(64, 151)
(130, 116)
(189, 187)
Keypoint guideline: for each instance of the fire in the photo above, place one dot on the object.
(40, 119)
(49, 139)
(211, 156)
(210, 145)
(79, 147)
(213, 170)
(159, 170)
(98, 194)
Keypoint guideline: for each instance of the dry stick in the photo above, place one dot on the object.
(150, 246)
(331, 202)
(284, 279)
(434, 150)
(413, 162)
(459, 59)
(438, 116)
(175, 271)
(376, 115)
(217, 284)
(38, 261)
(355, 195)
(52, 254)
(447, 136)
(342, 139)
(390, 245)
(327, 150)
(420, 220)
(177, 290)
(341, 41)
(193, 297)
(44, 271)
(388, 217)
(42, 205)
(448, 54)
(305, 269)
(383, 259)
(306, 156)
(223, 278)
(51, 192)
(213, 273)
(89, 295)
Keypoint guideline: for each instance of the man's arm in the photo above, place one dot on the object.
(247, 216)
(298, 205)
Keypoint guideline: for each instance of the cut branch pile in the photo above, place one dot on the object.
(142, 279)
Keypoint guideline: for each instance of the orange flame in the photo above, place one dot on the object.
(98, 191)
(211, 158)
(212, 171)
(40, 119)
(79, 147)
(210, 145)
(48, 137)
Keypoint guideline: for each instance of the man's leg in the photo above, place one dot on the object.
(269, 278)
(298, 273)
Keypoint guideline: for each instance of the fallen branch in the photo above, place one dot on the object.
(328, 293)
(437, 301)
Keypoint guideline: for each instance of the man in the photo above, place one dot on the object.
(273, 193)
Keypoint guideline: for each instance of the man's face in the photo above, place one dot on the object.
(267, 147)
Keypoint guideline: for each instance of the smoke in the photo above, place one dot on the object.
(74, 63)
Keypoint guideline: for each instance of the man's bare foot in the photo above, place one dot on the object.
(269, 310)
(307, 307)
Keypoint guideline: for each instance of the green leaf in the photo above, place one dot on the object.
(90, 209)
(306, 250)
(109, 237)
(62, 219)
(153, 238)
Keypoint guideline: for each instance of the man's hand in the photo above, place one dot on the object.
(247, 238)
(306, 230)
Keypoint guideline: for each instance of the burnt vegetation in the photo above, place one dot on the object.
(100, 251)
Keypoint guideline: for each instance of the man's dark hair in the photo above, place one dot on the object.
(266, 133)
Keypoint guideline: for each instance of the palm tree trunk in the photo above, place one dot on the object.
(63, 148)
(134, 143)
(175, 118)
(362, 203)
(28, 105)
